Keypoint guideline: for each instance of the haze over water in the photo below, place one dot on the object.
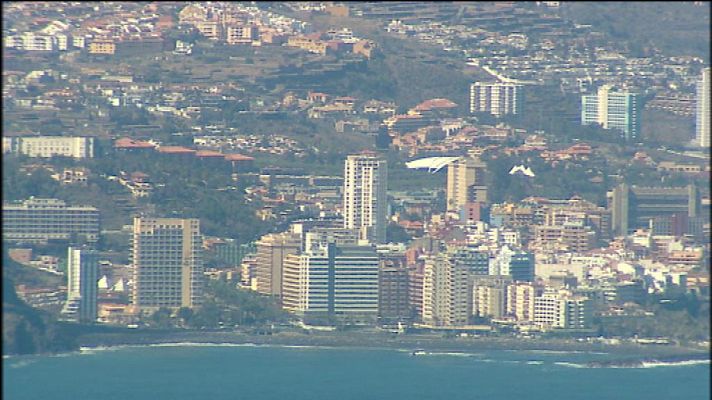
(181, 372)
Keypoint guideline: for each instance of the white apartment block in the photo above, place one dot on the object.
(30, 41)
(365, 202)
(336, 281)
(559, 309)
(49, 146)
(496, 98)
(612, 109)
(39, 220)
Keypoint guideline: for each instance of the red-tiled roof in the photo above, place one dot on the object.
(435, 103)
(175, 150)
(209, 153)
(128, 143)
(238, 157)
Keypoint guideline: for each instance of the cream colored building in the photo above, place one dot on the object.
(446, 292)
(465, 183)
(272, 250)
(520, 301)
(167, 259)
(489, 296)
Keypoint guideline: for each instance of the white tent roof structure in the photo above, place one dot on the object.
(432, 164)
(103, 282)
(522, 169)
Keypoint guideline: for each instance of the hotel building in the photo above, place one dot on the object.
(365, 202)
(167, 259)
(39, 220)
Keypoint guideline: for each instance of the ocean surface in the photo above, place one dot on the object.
(223, 371)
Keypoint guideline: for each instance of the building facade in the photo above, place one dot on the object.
(560, 309)
(167, 259)
(465, 183)
(271, 252)
(447, 285)
(489, 296)
(447, 291)
(365, 203)
(39, 220)
(49, 146)
(393, 305)
(334, 282)
(612, 110)
(82, 277)
(636, 206)
(519, 265)
(702, 121)
(496, 98)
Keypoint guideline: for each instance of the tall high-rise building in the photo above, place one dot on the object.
(465, 183)
(332, 281)
(167, 260)
(365, 202)
(447, 295)
(82, 271)
(702, 123)
(393, 285)
(40, 220)
(447, 285)
(612, 110)
(496, 98)
(272, 250)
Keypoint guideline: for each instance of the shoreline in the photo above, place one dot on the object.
(623, 355)
(620, 355)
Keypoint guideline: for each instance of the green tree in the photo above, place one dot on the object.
(161, 318)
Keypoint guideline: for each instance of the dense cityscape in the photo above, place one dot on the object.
(454, 171)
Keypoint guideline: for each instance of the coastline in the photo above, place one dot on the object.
(621, 355)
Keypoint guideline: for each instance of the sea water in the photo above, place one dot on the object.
(221, 371)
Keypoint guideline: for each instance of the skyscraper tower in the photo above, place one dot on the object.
(82, 271)
(702, 123)
(364, 206)
(167, 259)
